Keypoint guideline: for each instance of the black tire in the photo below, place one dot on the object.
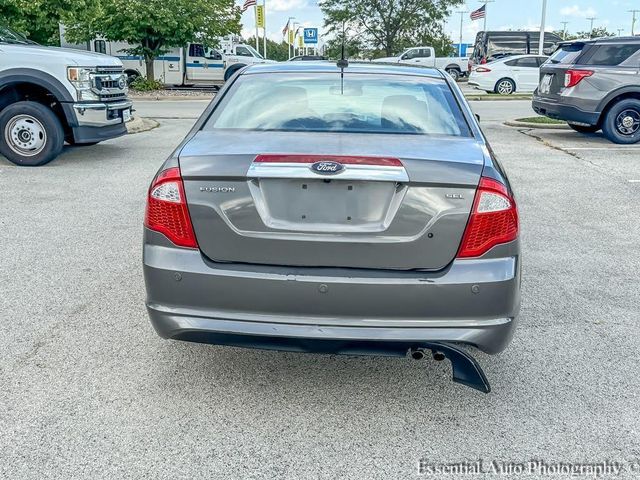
(621, 124)
(30, 134)
(584, 128)
(455, 73)
(505, 86)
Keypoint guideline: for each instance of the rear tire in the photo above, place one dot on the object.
(505, 86)
(622, 122)
(584, 128)
(30, 134)
(455, 73)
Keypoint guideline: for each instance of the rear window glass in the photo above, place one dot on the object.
(566, 54)
(610, 54)
(319, 102)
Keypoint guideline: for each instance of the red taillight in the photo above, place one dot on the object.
(483, 69)
(167, 211)
(574, 77)
(493, 220)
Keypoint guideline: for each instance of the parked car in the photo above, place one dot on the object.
(518, 73)
(493, 45)
(426, 56)
(357, 210)
(594, 84)
(51, 95)
(307, 58)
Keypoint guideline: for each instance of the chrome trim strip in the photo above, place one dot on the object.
(374, 173)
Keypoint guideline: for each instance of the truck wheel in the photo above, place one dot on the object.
(455, 73)
(584, 128)
(31, 134)
(505, 86)
(622, 122)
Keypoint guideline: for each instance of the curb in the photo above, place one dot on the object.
(170, 98)
(542, 126)
(139, 125)
(499, 98)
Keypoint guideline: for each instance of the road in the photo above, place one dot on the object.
(89, 390)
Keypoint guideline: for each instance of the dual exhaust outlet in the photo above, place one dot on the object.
(420, 353)
(465, 369)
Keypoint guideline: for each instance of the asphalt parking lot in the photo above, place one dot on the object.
(90, 391)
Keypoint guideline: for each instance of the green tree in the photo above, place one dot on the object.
(388, 25)
(275, 51)
(596, 33)
(153, 27)
(38, 20)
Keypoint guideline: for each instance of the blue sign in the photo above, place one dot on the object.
(310, 35)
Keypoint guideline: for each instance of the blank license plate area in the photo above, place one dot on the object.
(545, 83)
(326, 205)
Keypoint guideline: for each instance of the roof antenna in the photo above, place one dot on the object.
(342, 63)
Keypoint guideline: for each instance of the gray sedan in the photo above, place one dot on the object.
(353, 209)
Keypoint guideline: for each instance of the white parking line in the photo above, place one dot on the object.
(633, 181)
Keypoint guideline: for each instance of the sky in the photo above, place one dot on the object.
(501, 15)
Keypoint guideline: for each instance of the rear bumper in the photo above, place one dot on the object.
(330, 310)
(559, 111)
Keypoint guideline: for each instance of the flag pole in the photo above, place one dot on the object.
(255, 17)
(264, 30)
(484, 28)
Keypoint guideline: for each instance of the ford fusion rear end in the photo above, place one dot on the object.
(313, 212)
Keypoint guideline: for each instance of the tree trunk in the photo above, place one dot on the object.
(148, 61)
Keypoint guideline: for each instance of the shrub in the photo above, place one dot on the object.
(142, 84)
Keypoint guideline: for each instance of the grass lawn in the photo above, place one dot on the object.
(543, 120)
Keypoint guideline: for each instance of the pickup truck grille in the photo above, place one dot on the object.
(107, 83)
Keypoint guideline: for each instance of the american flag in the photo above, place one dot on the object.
(247, 4)
(479, 13)
(285, 29)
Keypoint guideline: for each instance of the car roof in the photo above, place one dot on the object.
(511, 57)
(601, 40)
(327, 66)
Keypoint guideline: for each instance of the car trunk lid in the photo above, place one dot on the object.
(395, 201)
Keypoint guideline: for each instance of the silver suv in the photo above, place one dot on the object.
(593, 85)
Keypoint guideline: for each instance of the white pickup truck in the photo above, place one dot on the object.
(193, 64)
(50, 95)
(426, 56)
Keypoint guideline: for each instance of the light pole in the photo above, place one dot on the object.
(633, 21)
(542, 22)
(591, 29)
(564, 30)
(461, 12)
(620, 30)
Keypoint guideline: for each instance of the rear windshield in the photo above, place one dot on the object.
(567, 53)
(320, 102)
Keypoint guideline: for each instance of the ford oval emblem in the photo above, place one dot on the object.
(327, 167)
